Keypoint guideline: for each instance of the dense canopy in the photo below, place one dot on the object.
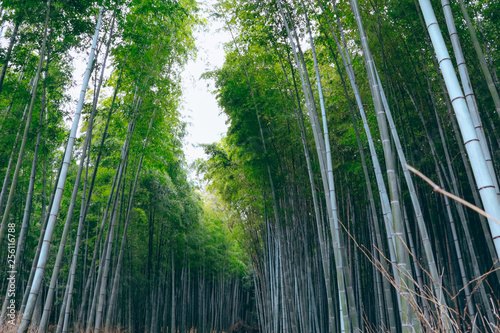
(313, 213)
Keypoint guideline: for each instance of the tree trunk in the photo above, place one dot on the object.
(27, 209)
(471, 142)
(58, 195)
(405, 286)
(481, 58)
(114, 292)
(9, 52)
(26, 128)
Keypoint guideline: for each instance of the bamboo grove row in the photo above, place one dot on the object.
(346, 238)
(137, 248)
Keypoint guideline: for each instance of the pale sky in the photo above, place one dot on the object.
(199, 109)
(206, 124)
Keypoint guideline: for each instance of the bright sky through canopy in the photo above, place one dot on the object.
(206, 124)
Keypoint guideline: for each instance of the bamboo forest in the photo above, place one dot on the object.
(355, 188)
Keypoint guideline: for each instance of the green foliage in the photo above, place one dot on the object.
(150, 44)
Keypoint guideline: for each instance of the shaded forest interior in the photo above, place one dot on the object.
(306, 216)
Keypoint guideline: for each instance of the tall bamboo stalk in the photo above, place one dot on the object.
(27, 210)
(451, 221)
(405, 287)
(20, 157)
(337, 236)
(429, 254)
(61, 182)
(468, 91)
(9, 52)
(114, 290)
(6, 180)
(69, 217)
(481, 57)
(472, 145)
(343, 309)
(87, 144)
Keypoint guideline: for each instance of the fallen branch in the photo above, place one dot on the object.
(454, 197)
